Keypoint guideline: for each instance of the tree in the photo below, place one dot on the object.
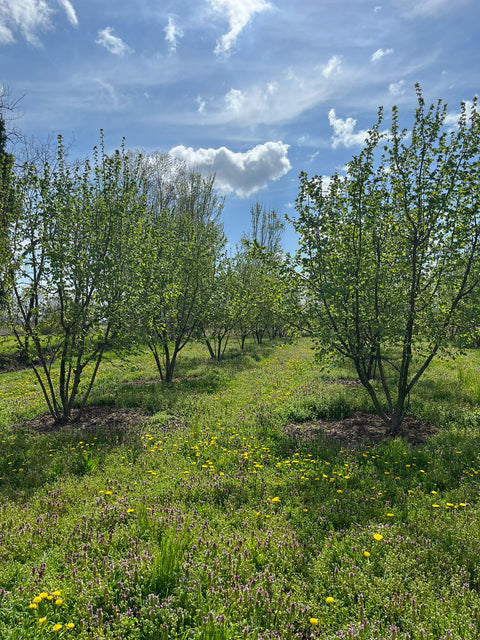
(389, 253)
(69, 262)
(177, 263)
(7, 204)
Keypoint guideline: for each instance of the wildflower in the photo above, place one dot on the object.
(42, 620)
(314, 622)
(366, 554)
(276, 499)
(70, 625)
(329, 600)
(130, 510)
(33, 605)
(378, 536)
(37, 599)
(56, 627)
(58, 601)
(57, 593)
(43, 595)
(390, 515)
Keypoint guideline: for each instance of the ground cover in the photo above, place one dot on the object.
(219, 507)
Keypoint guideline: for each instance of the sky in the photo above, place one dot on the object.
(255, 91)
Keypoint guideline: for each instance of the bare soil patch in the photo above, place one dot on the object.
(358, 430)
(111, 418)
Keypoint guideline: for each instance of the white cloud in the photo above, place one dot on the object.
(235, 100)
(6, 36)
(343, 131)
(287, 96)
(239, 13)
(243, 173)
(380, 53)
(26, 16)
(201, 104)
(172, 33)
(70, 11)
(333, 66)
(112, 43)
(397, 88)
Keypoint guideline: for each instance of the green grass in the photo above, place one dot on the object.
(208, 522)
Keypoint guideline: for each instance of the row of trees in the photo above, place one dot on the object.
(122, 248)
(387, 270)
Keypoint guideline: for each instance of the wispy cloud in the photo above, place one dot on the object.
(26, 16)
(70, 11)
(333, 66)
(343, 131)
(239, 13)
(242, 173)
(112, 43)
(380, 53)
(172, 33)
(397, 88)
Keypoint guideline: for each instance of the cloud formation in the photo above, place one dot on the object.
(30, 17)
(379, 54)
(239, 13)
(172, 33)
(244, 173)
(70, 11)
(343, 131)
(112, 43)
(397, 88)
(333, 66)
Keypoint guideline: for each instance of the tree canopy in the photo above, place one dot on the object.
(390, 251)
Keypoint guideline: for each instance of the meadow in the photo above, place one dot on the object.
(205, 518)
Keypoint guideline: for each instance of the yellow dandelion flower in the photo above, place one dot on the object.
(329, 600)
(390, 515)
(56, 627)
(42, 620)
(37, 599)
(366, 554)
(44, 594)
(378, 536)
(58, 601)
(276, 499)
(57, 593)
(33, 605)
(70, 625)
(314, 622)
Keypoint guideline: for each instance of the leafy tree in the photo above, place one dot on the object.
(220, 318)
(69, 264)
(389, 253)
(177, 263)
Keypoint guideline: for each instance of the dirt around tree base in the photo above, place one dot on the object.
(358, 430)
(92, 418)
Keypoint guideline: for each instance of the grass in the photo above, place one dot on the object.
(217, 526)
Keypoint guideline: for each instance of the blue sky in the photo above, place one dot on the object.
(254, 90)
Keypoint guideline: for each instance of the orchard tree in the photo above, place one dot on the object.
(176, 266)
(390, 253)
(69, 265)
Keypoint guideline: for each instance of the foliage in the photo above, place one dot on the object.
(68, 266)
(390, 253)
(176, 265)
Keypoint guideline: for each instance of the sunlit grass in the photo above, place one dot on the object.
(208, 522)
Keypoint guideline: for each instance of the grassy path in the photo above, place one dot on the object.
(211, 523)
